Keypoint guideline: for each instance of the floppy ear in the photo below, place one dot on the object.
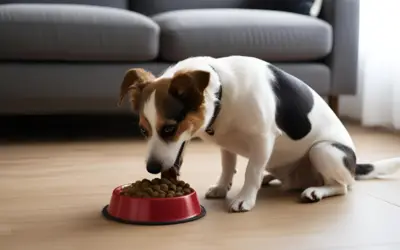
(188, 87)
(134, 81)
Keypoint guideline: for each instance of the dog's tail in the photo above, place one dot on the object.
(376, 169)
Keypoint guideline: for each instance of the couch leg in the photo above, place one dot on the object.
(333, 102)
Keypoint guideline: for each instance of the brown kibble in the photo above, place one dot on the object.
(156, 181)
(171, 173)
(145, 184)
(145, 195)
(172, 187)
(165, 181)
(164, 187)
(131, 192)
(173, 181)
(156, 188)
(146, 180)
(187, 191)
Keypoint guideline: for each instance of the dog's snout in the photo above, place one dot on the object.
(154, 166)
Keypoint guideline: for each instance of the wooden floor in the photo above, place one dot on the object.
(51, 195)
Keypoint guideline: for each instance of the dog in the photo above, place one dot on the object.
(251, 108)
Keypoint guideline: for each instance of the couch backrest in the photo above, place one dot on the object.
(151, 7)
(121, 4)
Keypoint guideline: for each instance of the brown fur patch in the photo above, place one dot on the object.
(189, 86)
(135, 80)
(192, 122)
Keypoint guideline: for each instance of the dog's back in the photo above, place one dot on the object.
(260, 97)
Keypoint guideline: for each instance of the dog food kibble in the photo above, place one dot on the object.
(172, 187)
(171, 174)
(164, 187)
(157, 188)
(165, 181)
(156, 181)
(187, 191)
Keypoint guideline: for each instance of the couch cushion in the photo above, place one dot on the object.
(152, 7)
(75, 32)
(122, 4)
(266, 34)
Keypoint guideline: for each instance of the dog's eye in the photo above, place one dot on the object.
(168, 130)
(143, 131)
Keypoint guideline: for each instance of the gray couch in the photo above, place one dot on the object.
(68, 58)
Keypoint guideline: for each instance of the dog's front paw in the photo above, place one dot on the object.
(217, 192)
(311, 195)
(242, 203)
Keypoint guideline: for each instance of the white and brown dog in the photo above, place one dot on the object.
(250, 108)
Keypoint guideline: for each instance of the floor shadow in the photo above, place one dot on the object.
(66, 128)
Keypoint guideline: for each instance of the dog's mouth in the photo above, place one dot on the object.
(174, 171)
(179, 159)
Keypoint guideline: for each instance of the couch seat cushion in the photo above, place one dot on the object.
(266, 34)
(75, 32)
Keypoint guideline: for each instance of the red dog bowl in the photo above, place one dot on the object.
(153, 211)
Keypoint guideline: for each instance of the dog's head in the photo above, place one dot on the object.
(170, 110)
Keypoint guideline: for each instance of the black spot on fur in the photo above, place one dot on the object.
(364, 169)
(350, 159)
(294, 103)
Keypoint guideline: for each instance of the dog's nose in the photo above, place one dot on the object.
(154, 167)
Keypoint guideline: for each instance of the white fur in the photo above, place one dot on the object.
(165, 153)
(382, 167)
(246, 126)
(224, 183)
(318, 193)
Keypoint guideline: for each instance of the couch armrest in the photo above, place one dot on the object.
(343, 15)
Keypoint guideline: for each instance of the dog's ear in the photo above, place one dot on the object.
(134, 82)
(188, 87)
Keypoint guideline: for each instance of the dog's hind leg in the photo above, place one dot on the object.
(336, 164)
(220, 190)
(267, 179)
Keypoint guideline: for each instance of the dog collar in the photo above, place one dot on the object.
(217, 109)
